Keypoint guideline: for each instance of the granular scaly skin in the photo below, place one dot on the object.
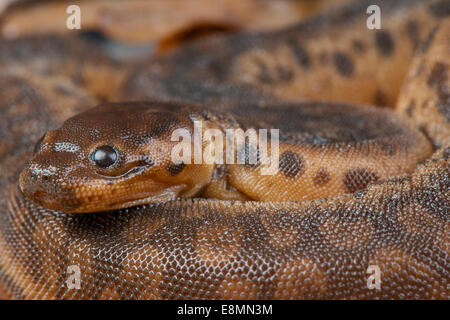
(323, 150)
(85, 62)
(425, 95)
(204, 248)
(322, 58)
(222, 249)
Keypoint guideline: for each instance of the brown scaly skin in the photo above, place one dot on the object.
(48, 55)
(325, 150)
(425, 97)
(64, 176)
(24, 93)
(323, 58)
(230, 249)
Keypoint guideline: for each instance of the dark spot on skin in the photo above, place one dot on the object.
(380, 98)
(438, 75)
(444, 102)
(410, 108)
(285, 75)
(427, 43)
(291, 164)
(438, 79)
(413, 30)
(384, 42)
(440, 9)
(280, 74)
(162, 123)
(301, 55)
(264, 75)
(175, 169)
(321, 177)
(343, 63)
(358, 178)
(358, 46)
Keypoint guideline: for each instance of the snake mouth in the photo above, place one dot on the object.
(100, 194)
(171, 193)
(98, 197)
(115, 198)
(127, 174)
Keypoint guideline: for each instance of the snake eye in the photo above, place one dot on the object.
(105, 156)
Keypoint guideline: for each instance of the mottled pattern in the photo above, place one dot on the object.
(198, 248)
(438, 74)
(49, 55)
(425, 96)
(322, 58)
(291, 164)
(209, 249)
(440, 9)
(384, 43)
(313, 135)
(413, 29)
(358, 179)
(344, 65)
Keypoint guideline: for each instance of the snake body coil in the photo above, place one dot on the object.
(376, 181)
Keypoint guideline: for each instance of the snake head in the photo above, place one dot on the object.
(113, 156)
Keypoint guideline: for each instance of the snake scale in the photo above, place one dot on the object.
(393, 215)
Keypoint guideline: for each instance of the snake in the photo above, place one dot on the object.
(357, 186)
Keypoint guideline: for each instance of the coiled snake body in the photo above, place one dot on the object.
(370, 186)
